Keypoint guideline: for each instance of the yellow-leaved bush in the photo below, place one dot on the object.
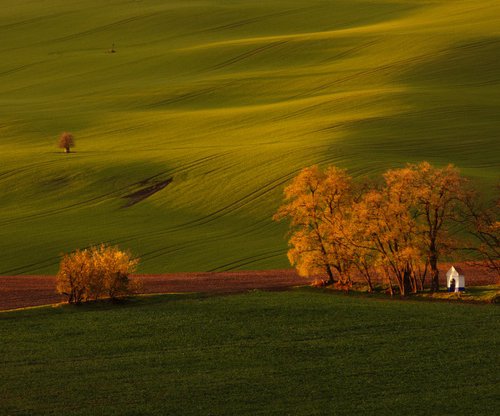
(97, 272)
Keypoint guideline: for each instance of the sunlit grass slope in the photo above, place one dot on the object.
(288, 353)
(229, 99)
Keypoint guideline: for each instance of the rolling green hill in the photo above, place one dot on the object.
(186, 135)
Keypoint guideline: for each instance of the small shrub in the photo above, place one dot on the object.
(98, 272)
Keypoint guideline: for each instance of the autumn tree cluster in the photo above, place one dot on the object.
(397, 231)
(97, 272)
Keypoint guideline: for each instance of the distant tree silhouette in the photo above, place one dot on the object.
(66, 141)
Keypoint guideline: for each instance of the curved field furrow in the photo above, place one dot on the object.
(103, 28)
(26, 168)
(164, 251)
(247, 55)
(36, 19)
(28, 268)
(236, 264)
(257, 19)
(183, 97)
(350, 52)
(20, 68)
(387, 69)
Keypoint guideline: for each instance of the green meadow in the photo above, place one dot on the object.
(303, 352)
(228, 100)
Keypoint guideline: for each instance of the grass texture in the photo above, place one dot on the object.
(304, 352)
(228, 100)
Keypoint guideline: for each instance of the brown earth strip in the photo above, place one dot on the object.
(25, 291)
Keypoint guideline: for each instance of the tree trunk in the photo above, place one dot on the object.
(370, 285)
(421, 280)
(401, 285)
(67, 149)
(388, 277)
(365, 272)
(434, 273)
(414, 283)
(407, 286)
(329, 272)
(433, 261)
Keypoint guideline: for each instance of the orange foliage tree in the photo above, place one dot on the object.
(98, 272)
(435, 197)
(74, 276)
(318, 205)
(391, 233)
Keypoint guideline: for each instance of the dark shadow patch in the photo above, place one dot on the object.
(142, 194)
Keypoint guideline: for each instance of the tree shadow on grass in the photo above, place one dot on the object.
(129, 302)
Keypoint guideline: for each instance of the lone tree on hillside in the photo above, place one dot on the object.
(66, 141)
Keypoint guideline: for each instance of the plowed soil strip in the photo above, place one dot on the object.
(24, 291)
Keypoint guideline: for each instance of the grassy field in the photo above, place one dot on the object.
(304, 352)
(229, 99)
